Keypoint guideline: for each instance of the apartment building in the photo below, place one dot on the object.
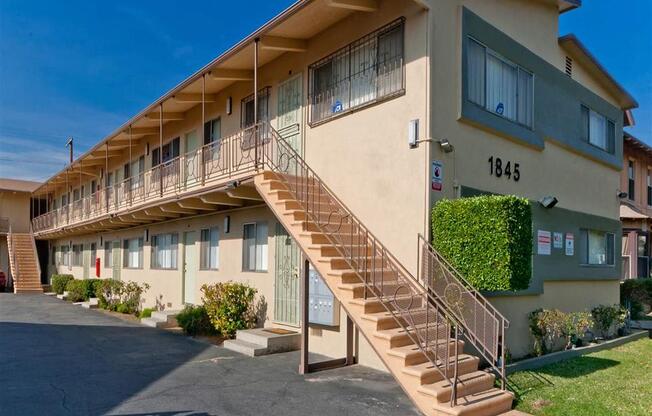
(15, 231)
(365, 114)
(636, 207)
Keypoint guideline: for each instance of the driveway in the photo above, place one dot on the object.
(60, 359)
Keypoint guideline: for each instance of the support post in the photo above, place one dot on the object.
(106, 175)
(350, 357)
(305, 282)
(256, 102)
(130, 164)
(203, 129)
(160, 148)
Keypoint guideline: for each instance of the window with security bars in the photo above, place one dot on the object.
(363, 72)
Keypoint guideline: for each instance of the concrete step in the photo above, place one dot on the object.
(469, 383)
(161, 319)
(244, 347)
(271, 339)
(92, 303)
(487, 403)
(426, 372)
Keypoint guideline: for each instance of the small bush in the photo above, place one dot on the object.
(122, 308)
(230, 306)
(59, 282)
(195, 321)
(546, 326)
(108, 293)
(606, 316)
(145, 313)
(119, 296)
(488, 239)
(638, 294)
(76, 291)
(576, 325)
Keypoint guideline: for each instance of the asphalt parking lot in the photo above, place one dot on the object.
(60, 359)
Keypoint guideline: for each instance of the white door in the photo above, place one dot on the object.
(288, 121)
(192, 168)
(190, 266)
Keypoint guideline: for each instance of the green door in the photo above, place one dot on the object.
(289, 111)
(87, 261)
(116, 260)
(286, 287)
(190, 267)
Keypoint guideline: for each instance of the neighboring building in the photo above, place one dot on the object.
(636, 207)
(16, 212)
(493, 101)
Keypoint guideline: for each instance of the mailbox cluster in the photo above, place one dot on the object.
(324, 308)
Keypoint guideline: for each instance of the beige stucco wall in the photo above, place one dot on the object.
(15, 206)
(567, 296)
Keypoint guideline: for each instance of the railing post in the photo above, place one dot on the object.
(455, 376)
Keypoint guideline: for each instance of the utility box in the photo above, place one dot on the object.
(324, 309)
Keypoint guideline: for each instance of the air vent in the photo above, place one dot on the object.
(569, 66)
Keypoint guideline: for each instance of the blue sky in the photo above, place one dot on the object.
(82, 70)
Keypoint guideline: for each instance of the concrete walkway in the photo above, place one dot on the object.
(60, 359)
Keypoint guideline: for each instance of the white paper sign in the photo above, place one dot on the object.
(543, 242)
(570, 244)
(558, 240)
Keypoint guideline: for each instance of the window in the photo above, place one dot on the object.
(93, 254)
(75, 195)
(649, 187)
(77, 255)
(108, 254)
(361, 73)
(631, 180)
(170, 151)
(247, 108)
(164, 251)
(133, 253)
(54, 260)
(254, 249)
(498, 85)
(600, 247)
(210, 248)
(213, 130)
(598, 130)
(65, 255)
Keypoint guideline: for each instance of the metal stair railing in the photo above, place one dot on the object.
(11, 243)
(484, 326)
(424, 318)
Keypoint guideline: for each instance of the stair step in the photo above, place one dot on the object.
(411, 354)
(398, 337)
(487, 403)
(244, 347)
(426, 372)
(469, 383)
(388, 320)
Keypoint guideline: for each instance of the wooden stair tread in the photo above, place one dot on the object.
(468, 383)
(490, 402)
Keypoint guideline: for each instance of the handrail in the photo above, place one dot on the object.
(11, 243)
(484, 325)
(38, 264)
(211, 163)
(424, 318)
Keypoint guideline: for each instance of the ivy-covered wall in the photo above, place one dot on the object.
(488, 239)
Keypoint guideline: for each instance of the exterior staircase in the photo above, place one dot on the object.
(24, 264)
(417, 326)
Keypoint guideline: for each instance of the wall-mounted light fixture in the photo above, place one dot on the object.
(229, 106)
(445, 145)
(413, 133)
(548, 201)
(227, 224)
(622, 194)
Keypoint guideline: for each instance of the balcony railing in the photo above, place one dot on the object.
(231, 157)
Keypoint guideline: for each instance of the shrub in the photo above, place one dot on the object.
(488, 239)
(76, 290)
(576, 325)
(194, 320)
(230, 306)
(546, 326)
(145, 313)
(108, 293)
(122, 308)
(59, 282)
(638, 293)
(605, 317)
(119, 296)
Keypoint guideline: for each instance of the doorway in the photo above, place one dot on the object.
(286, 284)
(190, 263)
(288, 121)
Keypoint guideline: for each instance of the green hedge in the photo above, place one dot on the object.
(76, 290)
(487, 238)
(59, 282)
(636, 292)
(195, 321)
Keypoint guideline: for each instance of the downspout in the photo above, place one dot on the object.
(429, 143)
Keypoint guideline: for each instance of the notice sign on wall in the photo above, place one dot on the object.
(557, 240)
(544, 240)
(437, 176)
(570, 244)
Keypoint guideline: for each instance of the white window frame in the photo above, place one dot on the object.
(261, 251)
(586, 255)
(108, 254)
(127, 259)
(519, 69)
(157, 249)
(210, 256)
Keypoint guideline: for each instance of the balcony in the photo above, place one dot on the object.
(191, 183)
